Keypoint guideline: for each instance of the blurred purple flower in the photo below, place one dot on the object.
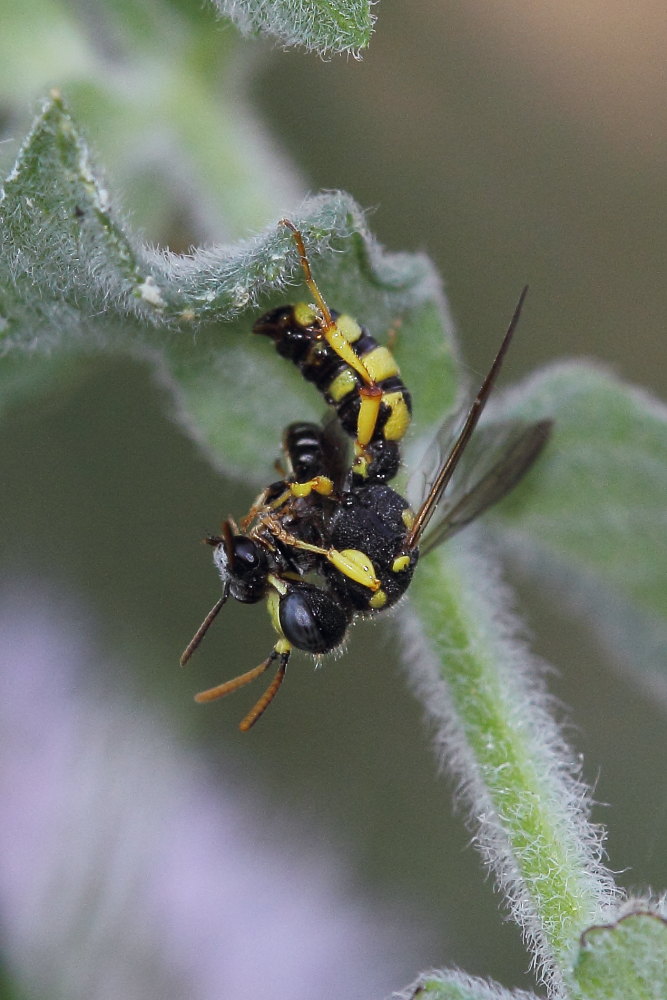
(125, 871)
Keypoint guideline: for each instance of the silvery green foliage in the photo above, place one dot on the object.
(73, 279)
(597, 513)
(455, 985)
(324, 26)
(623, 960)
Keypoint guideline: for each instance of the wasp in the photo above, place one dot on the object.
(355, 374)
(331, 541)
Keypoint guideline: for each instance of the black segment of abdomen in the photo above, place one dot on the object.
(305, 447)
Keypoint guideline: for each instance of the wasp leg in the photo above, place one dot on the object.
(370, 392)
(350, 562)
(319, 484)
(261, 503)
(330, 332)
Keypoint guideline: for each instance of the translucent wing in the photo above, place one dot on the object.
(497, 457)
(460, 443)
(426, 464)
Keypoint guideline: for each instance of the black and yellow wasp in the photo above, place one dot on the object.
(331, 541)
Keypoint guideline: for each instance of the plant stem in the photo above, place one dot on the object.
(527, 803)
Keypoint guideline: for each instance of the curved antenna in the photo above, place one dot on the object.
(202, 630)
(261, 705)
(446, 472)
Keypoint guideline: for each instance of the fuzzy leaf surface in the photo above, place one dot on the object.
(455, 985)
(528, 808)
(624, 960)
(597, 510)
(323, 26)
(73, 278)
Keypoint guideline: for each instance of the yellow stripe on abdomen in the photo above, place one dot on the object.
(398, 420)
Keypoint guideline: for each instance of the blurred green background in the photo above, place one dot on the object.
(514, 143)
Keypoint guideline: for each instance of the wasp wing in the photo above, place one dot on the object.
(460, 444)
(428, 459)
(336, 452)
(499, 456)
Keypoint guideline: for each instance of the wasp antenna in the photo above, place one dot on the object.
(202, 630)
(474, 413)
(310, 281)
(261, 706)
(228, 537)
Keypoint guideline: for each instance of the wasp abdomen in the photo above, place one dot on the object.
(297, 334)
(304, 445)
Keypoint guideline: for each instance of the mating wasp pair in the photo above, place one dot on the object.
(331, 541)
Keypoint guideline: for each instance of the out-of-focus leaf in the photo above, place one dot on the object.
(597, 508)
(455, 985)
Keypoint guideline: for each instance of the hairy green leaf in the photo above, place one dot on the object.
(73, 278)
(623, 961)
(597, 508)
(161, 88)
(323, 26)
(455, 985)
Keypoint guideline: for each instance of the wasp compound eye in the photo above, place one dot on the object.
(242, 565)
(312, 620)
(247, 557)
(249, 569)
